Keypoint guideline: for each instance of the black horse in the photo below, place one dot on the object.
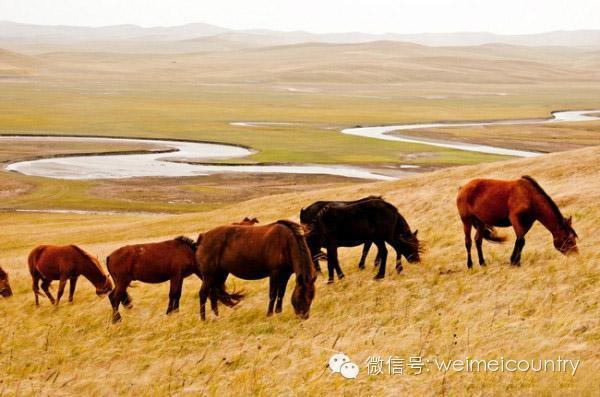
(373, 220)
(308, 216)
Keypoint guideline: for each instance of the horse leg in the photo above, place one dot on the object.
(126, 301)
(36, 288)
(383, 252)
(116, 296)
(45, 288)
(479, 244)
(468, 242)
(521, 223)
(61, 288)
(203, 297)
(363, 256)
(273, 286)
(283, 281)
(333, 265)
(175, 293)
(396, 245)
(72, 285)
(315, 261)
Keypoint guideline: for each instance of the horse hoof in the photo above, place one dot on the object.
(116, 318)
(482, 264)
(378, 277)
(330, 281)
(128, 306)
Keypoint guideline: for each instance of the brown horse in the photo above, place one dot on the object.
(486, 203)
(50, 262)
(151, 263)
(246, 222)
(276, 251)
(5, 290)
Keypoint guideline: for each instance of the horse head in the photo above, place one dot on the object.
(303, 295)
(565, 237)
(5, 290)
(411, 246)
(105, 287)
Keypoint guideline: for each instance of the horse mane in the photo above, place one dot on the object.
(298, 233)
(188, 241)
(548, 199)
(90, 257)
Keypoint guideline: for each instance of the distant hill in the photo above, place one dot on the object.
(204, 37)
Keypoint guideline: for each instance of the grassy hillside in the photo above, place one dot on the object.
(546, 308)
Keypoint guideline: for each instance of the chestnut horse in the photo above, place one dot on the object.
(246, 222)
(276, 251)
(5, 290)
(151, 263)
(51, 262)
(486, 203)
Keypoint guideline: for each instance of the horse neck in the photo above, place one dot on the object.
(547, 216)
(92, 272)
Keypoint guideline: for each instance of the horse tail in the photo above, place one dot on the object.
(301, 257)
(229, 299)
(490, 234)
(33, 258)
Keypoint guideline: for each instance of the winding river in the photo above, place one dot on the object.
(383, 132)
(181, 158)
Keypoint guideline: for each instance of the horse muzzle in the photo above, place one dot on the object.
(303, 316)
(6, 292)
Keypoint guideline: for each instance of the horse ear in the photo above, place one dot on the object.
(246, 219)
(255, 220)
(569, 220)
(415, 233)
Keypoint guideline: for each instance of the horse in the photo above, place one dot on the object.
(171, 260)
(276, 251)
(51, 262)
(5, 290)
(308, 216)
(246, 222)
(354, 224)
(488, 203)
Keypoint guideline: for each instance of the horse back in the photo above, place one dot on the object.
(152, 262)
(492, 201)
(50, 261)
(249, 253)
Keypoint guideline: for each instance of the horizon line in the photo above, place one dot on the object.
(298, 30)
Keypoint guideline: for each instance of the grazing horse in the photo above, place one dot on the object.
(488, 203)
(276, 251)
(50, 262)
(246, 222)
(309, 214)
(354, 224)
(5, 290)
(171, 260)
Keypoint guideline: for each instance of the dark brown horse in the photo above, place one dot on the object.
(276, 251)
(246, 222)
(50, 262)
(5, 290)
(488, 203)
(350, 225)
(152, 263)
(308, 216)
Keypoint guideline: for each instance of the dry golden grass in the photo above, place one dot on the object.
(546, 308)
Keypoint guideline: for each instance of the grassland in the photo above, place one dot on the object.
(546, 308)
(319, 88)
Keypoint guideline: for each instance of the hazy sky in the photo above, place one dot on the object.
(375, 16)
